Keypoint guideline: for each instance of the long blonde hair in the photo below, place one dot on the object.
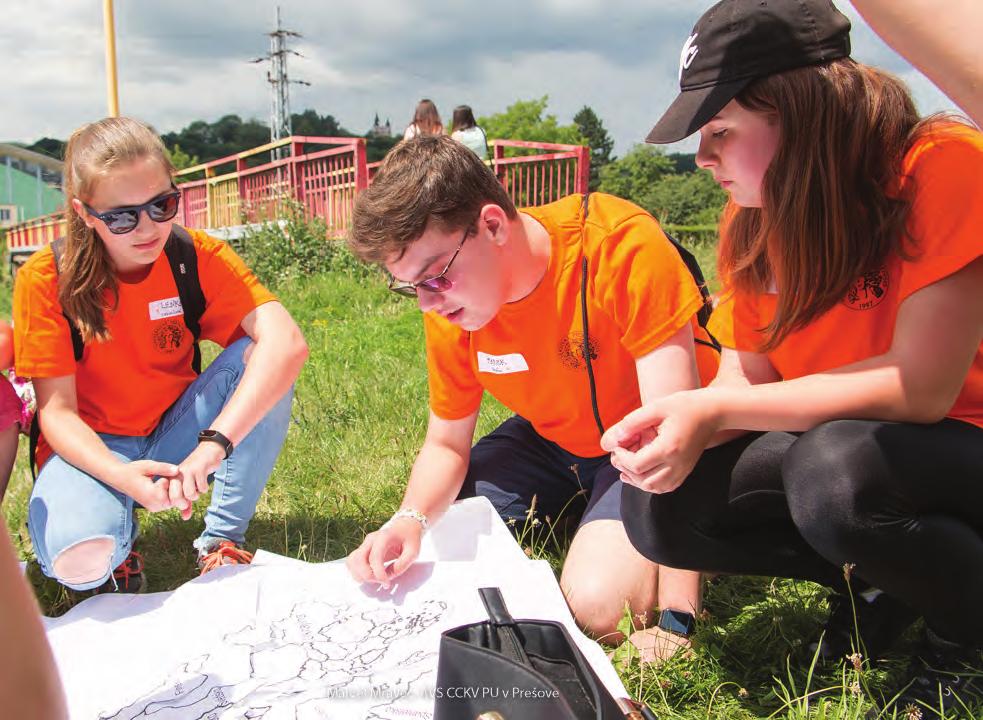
(830, 204)
(86, 272)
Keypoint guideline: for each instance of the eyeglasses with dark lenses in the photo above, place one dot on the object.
(125, 219)
(436, 284)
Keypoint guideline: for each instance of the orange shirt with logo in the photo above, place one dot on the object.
(946, 227)
(126, 384)
(530, 355)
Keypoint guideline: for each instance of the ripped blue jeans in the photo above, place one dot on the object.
(69, 506)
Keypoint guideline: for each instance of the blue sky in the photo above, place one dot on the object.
(184, 60)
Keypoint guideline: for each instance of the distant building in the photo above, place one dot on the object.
(379, 130)
(29, 185)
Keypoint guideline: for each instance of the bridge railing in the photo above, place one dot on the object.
(542, 173)
(536, 177)
(323, 175)
(229, 191)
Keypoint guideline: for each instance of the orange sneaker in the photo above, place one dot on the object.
(225, 552)
(128, 577)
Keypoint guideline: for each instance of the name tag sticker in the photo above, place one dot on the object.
(502, 364)
(169, 307)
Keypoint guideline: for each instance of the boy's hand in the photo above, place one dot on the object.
(386, 553)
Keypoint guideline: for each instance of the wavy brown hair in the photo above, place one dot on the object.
(831, 210)
(86, 271)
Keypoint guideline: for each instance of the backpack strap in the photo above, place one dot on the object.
(181, 254)
(703, 314)
(58, 250)
(583, 314)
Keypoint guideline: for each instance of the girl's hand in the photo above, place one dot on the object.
(147, 482)
(194, 471)
(656, 446)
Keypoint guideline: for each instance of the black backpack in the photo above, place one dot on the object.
(181, 256)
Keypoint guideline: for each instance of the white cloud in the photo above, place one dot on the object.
(188, 59)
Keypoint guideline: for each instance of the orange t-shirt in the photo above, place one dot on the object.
(946, 167)
(530, 356)
(124, 385)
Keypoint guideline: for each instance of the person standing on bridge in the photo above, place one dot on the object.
(426, 121)
(467, 131)
(569, 314)
(107, 325)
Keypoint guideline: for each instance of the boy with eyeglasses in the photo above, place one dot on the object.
(504, 295)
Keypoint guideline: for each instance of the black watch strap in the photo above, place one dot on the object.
(678, 622)
(216, 437)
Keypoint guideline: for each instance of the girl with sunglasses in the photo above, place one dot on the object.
(125, 419)
(852, 325)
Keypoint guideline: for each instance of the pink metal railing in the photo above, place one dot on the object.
(325, 183)
(535, 178)
(541, 178)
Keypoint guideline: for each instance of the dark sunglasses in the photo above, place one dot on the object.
(437, 283)
(124, 219)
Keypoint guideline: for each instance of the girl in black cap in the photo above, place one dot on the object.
(842, 440)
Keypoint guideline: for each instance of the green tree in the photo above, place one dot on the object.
(524, 120)
(50, 147)
(601, 144)
(685, 162)
(180, 159)
(691, 198)
(635, 175)
(376, 147)
(311, 123)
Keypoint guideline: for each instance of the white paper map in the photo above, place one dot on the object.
(284, 639)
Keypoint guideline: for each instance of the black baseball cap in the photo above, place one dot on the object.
(739, 41)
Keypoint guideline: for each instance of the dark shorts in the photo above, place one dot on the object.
(514, 464)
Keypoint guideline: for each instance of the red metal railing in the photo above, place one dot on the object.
(325, 182)
(541, 178)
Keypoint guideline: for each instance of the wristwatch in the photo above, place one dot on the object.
(216, 437)
(677, 622)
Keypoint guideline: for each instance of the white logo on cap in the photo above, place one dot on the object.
(687, 55)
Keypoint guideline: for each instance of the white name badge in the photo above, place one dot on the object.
(166, 308)
(502, 364)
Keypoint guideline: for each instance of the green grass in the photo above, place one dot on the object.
(358, 420)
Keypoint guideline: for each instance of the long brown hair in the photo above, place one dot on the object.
(87, 273)
(831, 209)
(427, 119)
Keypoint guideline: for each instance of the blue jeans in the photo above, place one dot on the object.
(69, 506)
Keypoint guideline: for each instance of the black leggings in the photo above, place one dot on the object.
(902, 502)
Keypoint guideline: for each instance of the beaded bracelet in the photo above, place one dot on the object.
(412, 514)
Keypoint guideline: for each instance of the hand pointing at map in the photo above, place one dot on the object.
(386, 553)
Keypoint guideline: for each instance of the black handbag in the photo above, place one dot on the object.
(519, 669)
